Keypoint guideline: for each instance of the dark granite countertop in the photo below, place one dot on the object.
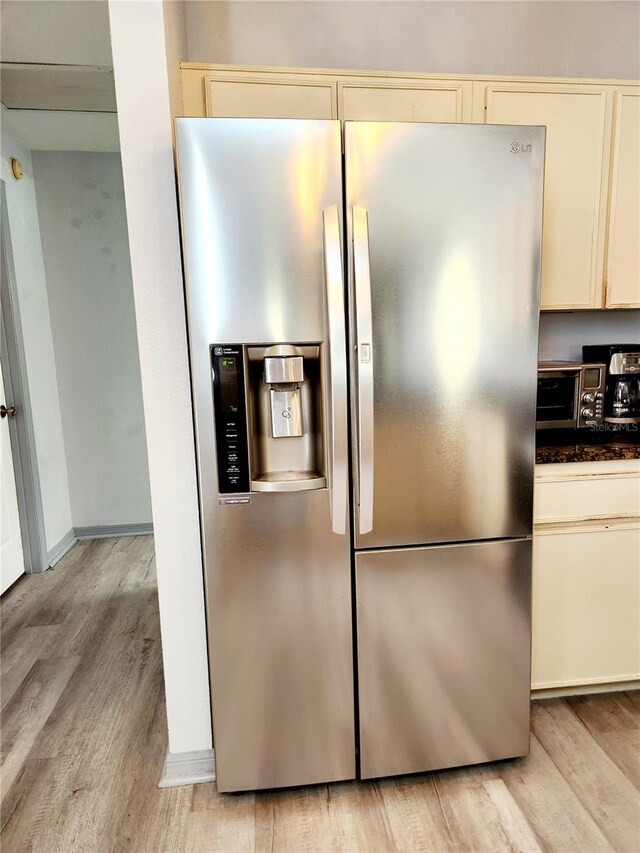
(586, 446)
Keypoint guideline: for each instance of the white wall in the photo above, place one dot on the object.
(36, 330)
(83, 226)
(142, 89)
(564, 39)
(563, 334)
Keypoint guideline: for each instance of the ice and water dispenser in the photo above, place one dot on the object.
(269, 415)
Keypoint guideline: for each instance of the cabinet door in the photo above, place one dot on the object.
(623, 255)
(575, 176)
(270, 97)
(586, 614)
(371, 99)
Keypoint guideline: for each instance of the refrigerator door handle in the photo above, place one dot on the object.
(364, 349)
(338, 366)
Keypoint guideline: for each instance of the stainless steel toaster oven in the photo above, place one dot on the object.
(570, 395)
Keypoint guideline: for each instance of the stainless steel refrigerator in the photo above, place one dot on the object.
(363, 312)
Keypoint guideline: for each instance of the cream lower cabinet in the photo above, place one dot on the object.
(586, 574)
(586, 606)
(575, 186)
(623, 243)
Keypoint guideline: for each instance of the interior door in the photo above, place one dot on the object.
(443, 655)
(11, 556)
(444, 229)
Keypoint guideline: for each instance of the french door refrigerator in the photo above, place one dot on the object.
(363, 311)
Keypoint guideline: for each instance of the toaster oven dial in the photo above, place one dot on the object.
(586, 413)
(588, 399)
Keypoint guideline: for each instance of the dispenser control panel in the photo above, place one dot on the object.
(230, 418)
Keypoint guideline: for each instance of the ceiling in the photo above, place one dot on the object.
(58, 32)
(44, 130)
(56, 55)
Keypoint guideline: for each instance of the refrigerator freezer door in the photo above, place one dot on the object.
(278, 580)
(443, 655)
(454, 218)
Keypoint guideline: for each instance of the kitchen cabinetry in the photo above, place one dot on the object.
(250, 95)
(586, 575)
(591, 252)
(623, 244)
(576, 169)
(374, 99)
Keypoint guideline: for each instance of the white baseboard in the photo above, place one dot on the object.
(188, 768)
(585, 689)
(103, 531)
(107, 531)
(60, 549)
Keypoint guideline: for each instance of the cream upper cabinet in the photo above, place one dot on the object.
(263, 96)
(591, 248)
(576, 173)
(375, 99)
(623, 244)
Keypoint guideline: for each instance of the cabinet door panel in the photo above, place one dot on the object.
(575, 118)
(266, 97)
(623, 262)
(586, 614)
(372, 101)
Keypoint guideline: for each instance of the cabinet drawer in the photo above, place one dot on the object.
(585, 497)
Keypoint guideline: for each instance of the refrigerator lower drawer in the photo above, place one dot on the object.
(444, 636)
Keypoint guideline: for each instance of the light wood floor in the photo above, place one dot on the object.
(83, 741)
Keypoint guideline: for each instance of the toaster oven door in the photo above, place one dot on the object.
(557, 399)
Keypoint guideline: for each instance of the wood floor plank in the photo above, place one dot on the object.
(517, 829)
(85, 762)
(29, 645)
(300, 820)
(28, 710)
(27, 806)
(132, 829)
(596, 780)
(53, 607)
(548, 802)
(415, 814)
(480, 817)
(612, 723)
(219, 824)
(22, 601)
(359, 818)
